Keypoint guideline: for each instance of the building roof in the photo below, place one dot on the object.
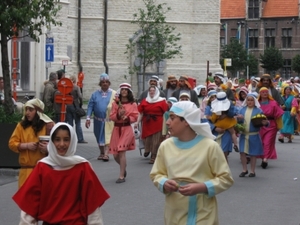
(280, 8)
(231, 9)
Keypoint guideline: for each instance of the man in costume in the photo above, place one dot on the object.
(172, 85)
(220, 81)
(154, 80)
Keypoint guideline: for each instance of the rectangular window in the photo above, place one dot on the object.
(269, 37)
(286, 37)
(222, 41)
(287, 68)
(253, 38)
(253, 9)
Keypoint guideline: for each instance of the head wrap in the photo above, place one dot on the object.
(189, 111)
(244, 89)
(221, 103)
(39, 106)
(171, 78)
(125, 86)
(255, 100)
(104, 76)
(211, 93)
(156, 97)
(186, 80)
(69, 159)
(264, 89)
(172, 100)
(277, 77)
(199, 88)
(242, 80)
(184, 94)
(221, 76)
(211, 86)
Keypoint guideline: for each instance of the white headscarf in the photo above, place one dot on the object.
(156, 97)
(69, 159)
(255, 100)
(190, 112)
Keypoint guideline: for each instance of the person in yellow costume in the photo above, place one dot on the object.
(190, 169)
(25, 138)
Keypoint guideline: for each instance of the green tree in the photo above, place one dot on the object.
(296, 63)
(238, 55)
(253, 65)
(271, 60)
(156, 40)
(18, 15)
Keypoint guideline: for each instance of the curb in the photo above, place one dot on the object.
(9, 172)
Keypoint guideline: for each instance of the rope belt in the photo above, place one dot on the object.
(120, 125)
(151, 116)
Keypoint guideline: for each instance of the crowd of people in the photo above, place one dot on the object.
(187, 131)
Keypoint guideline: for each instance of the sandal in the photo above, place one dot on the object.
(252, 175)
(105, 158)
(152, 160)
(236, 148)
(100, 157)
(146, 154)
(243, 174)
(281, 140)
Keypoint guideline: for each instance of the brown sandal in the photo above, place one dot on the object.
(100, 157)
(105, 158)
(152, 160)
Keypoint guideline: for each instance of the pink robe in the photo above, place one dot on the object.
(122, 137)
(268, 134)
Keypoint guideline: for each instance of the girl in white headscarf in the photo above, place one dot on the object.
(25, 138)
(250, 142)
(63, 188)
(152, 110)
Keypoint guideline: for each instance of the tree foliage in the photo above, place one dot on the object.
(253, 65)
(17, 15)
(155, 40)
(296, 63)
(271, 60)
(238, 55)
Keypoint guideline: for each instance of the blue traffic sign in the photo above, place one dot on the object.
(49, 40)
(49, 53)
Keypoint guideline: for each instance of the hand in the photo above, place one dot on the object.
(219, 130)
(87, 123)
(171, 186)
(240, 116)
(121, 112)
(32, 146)
(135, 126)
(192, 189)
(43, 147)
(265, 122)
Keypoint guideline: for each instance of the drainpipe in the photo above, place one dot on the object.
(79, 37)
(105, 36)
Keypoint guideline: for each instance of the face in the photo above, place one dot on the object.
(175, 125)
(62, 142)
(104, 84)
(243, 95)
(181, 83)
(203, 92)
(211, 98)
(30, 113)
(250, 102)
(241, 84)
(152, 92)
(264, 94)
(124, 92)
(173, 84)
(217, 80)
(266, 82)
(153, 82)
(287, 91)
(253, 83)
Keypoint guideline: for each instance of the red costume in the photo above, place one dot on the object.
(78, 196)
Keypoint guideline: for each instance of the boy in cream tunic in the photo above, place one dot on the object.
(190, 169)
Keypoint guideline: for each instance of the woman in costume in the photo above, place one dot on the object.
(63, 188)
(274, 113)
(290, 111)
(100, 105)
(124, 112)
(250, 143)
(152, 110)
(25, 138)
(190, 169)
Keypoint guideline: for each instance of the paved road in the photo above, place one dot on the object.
(271, 198)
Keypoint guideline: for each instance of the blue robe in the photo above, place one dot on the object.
(287, 119)
(250, 141)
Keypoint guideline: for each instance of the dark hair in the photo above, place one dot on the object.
(61, 127)
(37, 124)
(60, 73)
(129, 96)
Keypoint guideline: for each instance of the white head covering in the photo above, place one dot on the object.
(69, 159)
(190, 112)
(199, 88)
(39, 106)
(156, 97)
(221, 76)
(172, 100)
(221, 103)
(255, 100)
